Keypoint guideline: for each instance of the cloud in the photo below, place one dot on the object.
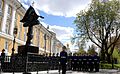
(62, 33)
(67, 8)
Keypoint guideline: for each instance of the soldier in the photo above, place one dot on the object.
(96, 63)
(50, 61)
(57, 61)
(77, 67)
(53, 61)
(87, 63)
(84, 62)
(63, 59)
(74, 62)
(70, 61)
(2, 58)
(80, 62)
(90, 64)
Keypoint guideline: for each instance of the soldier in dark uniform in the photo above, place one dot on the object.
(70, 61)
(87, 62)
(50, 61)
(74, 62)
(2, 58)
(80, 62)
(63, 59)
(57, 61)
(77, 62)
(91, 63)
(84, 62)
(96, 62)
(53, 61)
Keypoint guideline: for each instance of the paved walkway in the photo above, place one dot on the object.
(102, 71)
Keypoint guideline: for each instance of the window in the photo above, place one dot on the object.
(15, 22)
(7, 27)
(9, 11)
(34, 34)
(1, 8)
(8, 20)
(25, 32)
(6, 46)
(37, 37)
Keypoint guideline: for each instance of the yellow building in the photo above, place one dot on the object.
(11, 12)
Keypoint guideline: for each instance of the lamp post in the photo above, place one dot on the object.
(15, 34)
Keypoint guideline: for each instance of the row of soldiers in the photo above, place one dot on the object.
(85, 63)
(76, 62)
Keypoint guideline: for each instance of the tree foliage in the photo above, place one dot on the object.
(81, 52)
(91, 50)
(100, 24)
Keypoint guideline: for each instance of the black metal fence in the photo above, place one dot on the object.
(34, 62)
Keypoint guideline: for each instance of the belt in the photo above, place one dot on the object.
(63, 57)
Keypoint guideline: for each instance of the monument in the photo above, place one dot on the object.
(29, 20)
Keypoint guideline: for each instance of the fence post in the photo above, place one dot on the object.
(26, 61)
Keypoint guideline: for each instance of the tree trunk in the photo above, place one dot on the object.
(108, 58)
(102, 56)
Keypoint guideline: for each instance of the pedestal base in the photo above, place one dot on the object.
(23, 50)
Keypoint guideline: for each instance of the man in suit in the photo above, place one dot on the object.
(63, 59)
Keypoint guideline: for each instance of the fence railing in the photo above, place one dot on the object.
(34, 62)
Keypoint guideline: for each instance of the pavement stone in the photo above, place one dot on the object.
(102, 71)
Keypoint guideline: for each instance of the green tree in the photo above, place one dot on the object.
(91, 50)
(99, 24)
(81, 52)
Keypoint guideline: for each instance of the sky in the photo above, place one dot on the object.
(59, 15)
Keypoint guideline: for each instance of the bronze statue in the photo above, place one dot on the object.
(30, 19)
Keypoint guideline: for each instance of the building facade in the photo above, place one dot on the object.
(11, 12)
(56, 44)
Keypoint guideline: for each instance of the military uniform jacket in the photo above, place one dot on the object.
(63, 57)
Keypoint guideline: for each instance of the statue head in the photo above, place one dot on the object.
(30, 18)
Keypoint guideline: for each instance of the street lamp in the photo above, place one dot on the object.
(14, 34)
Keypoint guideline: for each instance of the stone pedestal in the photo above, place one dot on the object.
(23, 50)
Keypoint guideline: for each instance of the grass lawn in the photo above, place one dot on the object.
(109, 66)
(116, 54)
